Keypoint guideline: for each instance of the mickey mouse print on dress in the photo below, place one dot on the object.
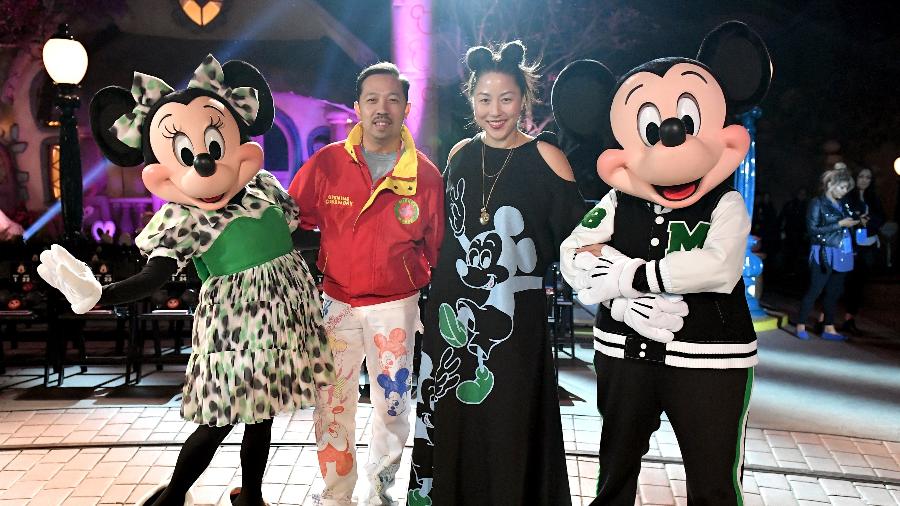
(662, 254)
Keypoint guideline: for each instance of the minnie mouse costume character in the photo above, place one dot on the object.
(259, 347)
(673, 330)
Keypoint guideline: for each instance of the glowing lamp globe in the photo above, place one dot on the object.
(897, 166)
(65, 58)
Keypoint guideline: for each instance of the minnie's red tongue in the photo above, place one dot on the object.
(212, 200)
(680, 192)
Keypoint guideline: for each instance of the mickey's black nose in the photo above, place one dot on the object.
(671, 132)
(205, 165)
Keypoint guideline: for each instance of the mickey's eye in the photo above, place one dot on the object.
(184, 150)
(648, 124)
(689, 113)
(215, 143)
(485, 259)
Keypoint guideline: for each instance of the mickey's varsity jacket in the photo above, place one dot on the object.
(697, 251)
(379, 238)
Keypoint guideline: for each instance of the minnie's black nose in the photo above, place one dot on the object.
(204, 164)
(671, 132)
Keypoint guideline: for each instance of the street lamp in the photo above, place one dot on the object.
(66, 61)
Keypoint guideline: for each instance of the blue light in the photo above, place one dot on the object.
(95, 172)
(222, 55)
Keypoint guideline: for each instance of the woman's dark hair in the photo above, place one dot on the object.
(509, 59)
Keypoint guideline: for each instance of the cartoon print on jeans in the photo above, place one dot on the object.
(340, 389)
(384, 479)
(492, 260)
(334, 445)
(394, 377)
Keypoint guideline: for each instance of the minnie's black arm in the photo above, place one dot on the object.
(155, 274)
(305, 239)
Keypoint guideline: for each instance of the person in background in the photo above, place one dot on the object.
(792, 223)
(863, 202)
(831, 255)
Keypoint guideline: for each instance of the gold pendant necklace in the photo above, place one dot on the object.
(485, 217)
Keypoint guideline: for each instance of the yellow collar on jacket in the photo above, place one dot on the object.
(402, 179)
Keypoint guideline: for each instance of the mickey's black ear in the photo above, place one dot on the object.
(739, 60)
(580, 99)
(106, 107)
(239, 73)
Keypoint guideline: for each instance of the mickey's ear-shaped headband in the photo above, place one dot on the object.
(740, 61)
(580, 100)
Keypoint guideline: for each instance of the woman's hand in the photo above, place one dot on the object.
(848, 222)
(864, 219)
(595, 249)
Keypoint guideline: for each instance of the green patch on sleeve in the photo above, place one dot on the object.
(593, 218)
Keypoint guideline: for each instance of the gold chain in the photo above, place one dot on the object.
(485, 217)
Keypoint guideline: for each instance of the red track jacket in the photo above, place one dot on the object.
(379, 239)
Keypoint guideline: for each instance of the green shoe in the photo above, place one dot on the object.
(415, 498)
(475, 391)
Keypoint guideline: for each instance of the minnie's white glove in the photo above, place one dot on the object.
(654, 316)
(70, 276)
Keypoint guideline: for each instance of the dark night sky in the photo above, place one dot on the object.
(836, 70)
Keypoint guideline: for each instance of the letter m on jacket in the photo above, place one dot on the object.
(683, 238)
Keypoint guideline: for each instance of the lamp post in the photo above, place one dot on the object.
(745, 182)
(66, 61)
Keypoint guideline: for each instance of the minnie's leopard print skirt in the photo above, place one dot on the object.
(259, 347)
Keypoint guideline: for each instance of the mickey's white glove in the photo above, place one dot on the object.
(606, 277)
(70, 276)
(654, 316)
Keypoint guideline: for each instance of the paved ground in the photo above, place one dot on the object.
(823, 430)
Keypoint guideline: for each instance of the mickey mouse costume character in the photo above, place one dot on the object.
(673, 332)
(259, 347)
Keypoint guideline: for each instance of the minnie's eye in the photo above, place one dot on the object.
(183, 149)
(215, 143)
(689, 113)
(648, 124)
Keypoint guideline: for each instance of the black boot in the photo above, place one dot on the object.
(849, 325)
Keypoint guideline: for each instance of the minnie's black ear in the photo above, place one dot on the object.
(239, 73)
(106, 107)
(739, 60)
(580, 100)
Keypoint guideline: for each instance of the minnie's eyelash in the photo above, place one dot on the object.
(215, 121)
(172, 133)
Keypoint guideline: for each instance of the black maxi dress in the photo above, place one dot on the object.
(488, 428)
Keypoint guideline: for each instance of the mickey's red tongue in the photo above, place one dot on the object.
(679, 192)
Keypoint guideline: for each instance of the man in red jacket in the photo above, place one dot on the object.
(378, 203)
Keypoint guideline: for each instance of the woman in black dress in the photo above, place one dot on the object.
(488, 426)
(864, 203)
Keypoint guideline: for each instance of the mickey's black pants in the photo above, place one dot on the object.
(707, 409)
